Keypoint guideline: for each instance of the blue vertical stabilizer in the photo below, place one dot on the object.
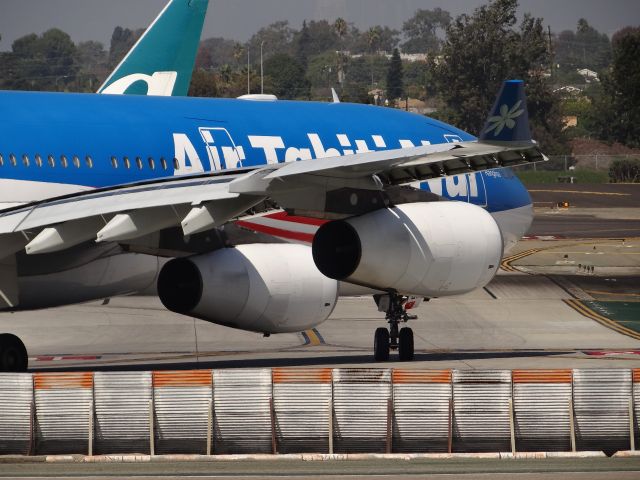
(509, 118)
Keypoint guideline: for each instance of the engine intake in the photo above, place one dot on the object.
(267, 288)
(429, 249)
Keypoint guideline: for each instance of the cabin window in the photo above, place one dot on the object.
(89, 161)
(176, 165)
(1, 160)
(12, 159)
(163, 162)
(38, 160)
(127, 163)
(76, 161)
(25, 160)
(152, 164)
(114, 162)
(51, 161)
(139, 163)
(63, 161)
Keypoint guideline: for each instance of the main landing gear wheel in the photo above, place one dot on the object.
(13, 354)
(405, 345)
(394, 338)
(381, 345)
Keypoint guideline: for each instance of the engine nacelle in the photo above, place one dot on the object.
(267, 288)
(429, 249)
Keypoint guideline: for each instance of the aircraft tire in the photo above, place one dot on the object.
(405, 345)
(381, 345)
(13, 354)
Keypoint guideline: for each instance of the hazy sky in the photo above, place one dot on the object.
(239, 19)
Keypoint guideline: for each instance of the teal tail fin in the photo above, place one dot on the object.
(161, 61)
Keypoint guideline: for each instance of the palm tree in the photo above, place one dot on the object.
(238, 52)
(340, 27)
(373, 39)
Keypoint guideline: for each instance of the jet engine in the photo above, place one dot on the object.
(267, 288)
(430, 249)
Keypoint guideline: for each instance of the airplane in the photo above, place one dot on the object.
(253, 213)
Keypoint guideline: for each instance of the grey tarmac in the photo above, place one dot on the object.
(570, 469)
(518, 321)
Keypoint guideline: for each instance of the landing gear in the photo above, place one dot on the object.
(13, 354)
(405, 345)
(394, 338)
(381, 345)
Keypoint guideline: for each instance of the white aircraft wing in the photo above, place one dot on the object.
(205, 201)
(418, 163)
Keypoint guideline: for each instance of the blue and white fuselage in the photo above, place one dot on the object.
(55, 144)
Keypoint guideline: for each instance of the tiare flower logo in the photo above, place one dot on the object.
(505, 119)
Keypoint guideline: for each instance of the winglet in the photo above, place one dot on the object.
(164, 56)
(509, 118)
(334, 95)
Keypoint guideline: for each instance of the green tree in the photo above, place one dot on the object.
(617, 111)
(373, 39)
(277, 38)
(215, 52)
(421, 30)
(287, 76)
(395, 88)
(584, 48)
(303, 45)
(122, 40)
(381, 39)
(485, 48)
(203, 84)
(47, 62)
(341, 28)
(91, 60)
(238, 53)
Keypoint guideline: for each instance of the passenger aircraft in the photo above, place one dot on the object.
(214, 204)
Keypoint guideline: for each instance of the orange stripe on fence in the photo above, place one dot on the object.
(44, 381)
(542, 376)
(421, 376)
(636, 375)
(186, 378)
(301, 375)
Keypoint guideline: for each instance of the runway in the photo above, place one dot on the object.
(518, 321)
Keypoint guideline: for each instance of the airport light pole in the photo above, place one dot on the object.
(261, 69)
(248, 69)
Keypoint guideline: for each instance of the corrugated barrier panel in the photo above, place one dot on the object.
(601, 398)
(122, 411)
(16, 397)
(302, 403)
(481, 410)
(636, 405)
(316, 410)
(182, 403)
(242, 405)
(541, 400)
(421, 417)
(361, 409)
(63, 408)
